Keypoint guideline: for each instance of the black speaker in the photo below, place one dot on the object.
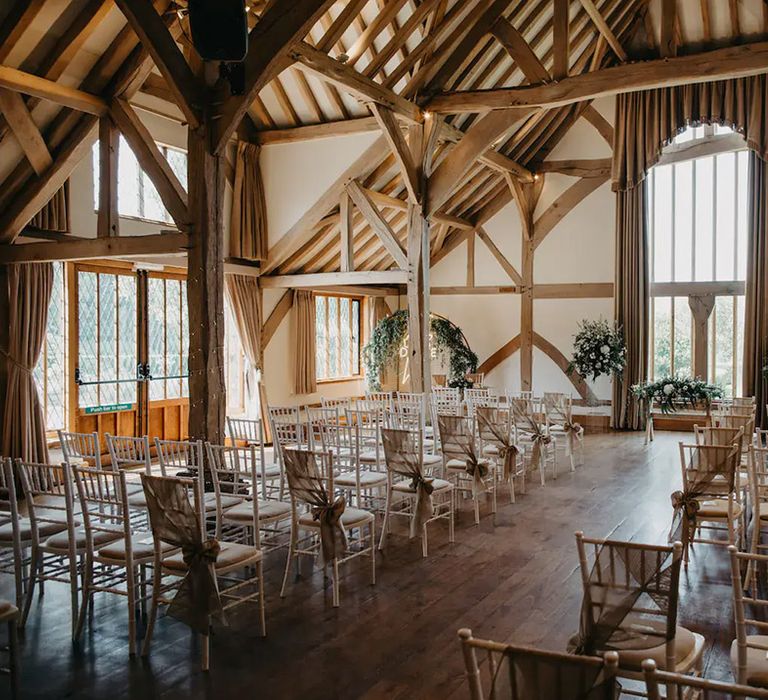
(219, 29)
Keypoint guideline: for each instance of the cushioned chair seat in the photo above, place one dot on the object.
(143, 548)
(25, 530)
(243, 512)
(227, 501)
(369, 456)
(349, 518)
(405, 486)
(632, 658)
(431, 460)
(137, 499)
(367, 479)
(8, 611)
(757, 663)
(491, 450)
(271, 471)
(230, 554)
(718, 508)
(60, 540)
(460, 464)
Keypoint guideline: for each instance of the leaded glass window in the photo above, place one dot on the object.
(337, 343)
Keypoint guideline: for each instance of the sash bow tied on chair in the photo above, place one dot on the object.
(333, 537)
(197, 599)
(572, 430)
(538, 440)
(686, 507)
(424, 507)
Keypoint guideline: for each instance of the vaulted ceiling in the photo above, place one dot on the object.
(362, 63)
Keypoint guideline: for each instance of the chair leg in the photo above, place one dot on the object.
(385, 524)
(291, 547)
(476, 505)
(131, 589)
(34, 577)
(73, 590)
(13, 652)
(424, 543)
(87, 578)
(205, 651)
(18, 571)
(494, 502)
(451, 521)
(335, 582)
(262, 602)
(372, 549)
(157, 578)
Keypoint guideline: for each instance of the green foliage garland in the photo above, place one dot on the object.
(671, 393)
(447, 338)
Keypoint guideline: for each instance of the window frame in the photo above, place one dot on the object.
(710, 144)
(360, 340)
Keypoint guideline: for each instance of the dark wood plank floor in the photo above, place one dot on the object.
(512, 578)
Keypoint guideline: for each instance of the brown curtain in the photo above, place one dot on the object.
(756, 303)
(631, 303)
(248, 230)
(647, 121)
(245, 301)
(29, 291)
(54, 216)
(305, 379)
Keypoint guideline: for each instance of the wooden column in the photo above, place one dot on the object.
(205, 288)
(109, 140)
(4, 314)
(526, 317)
(701, 309)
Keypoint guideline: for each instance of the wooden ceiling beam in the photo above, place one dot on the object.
(596, 167)
(333, 279)
(520, 51)
(347, 78)
(29, 84)
(157, 167)
(605, 29)
(21, 15)
(342, 127)
(729, 62)
(25, 130)
(400, 149)
(277, 30)
(560, 39)
(155, 37)
(96, 248)
(668, 43)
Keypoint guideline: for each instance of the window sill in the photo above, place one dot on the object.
(168, 224)
(341, 380)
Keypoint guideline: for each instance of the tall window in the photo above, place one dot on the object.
(168, 338)
(697, 214)
(338, 337)
(51, 371)
(235, 365)
(136, 195)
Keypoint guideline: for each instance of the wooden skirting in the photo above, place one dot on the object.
(678, 421)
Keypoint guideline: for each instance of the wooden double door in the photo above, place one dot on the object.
(128, 350)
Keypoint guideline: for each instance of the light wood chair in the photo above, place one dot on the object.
(477, 379)
(463, 462)
(57, 541)
(117, 553)
(311, 486)
(130, 453)
(381, 399)
(237, 569)
(647, 627)
(749, 652)
(242, 514)
(444, 402)
(494, 428)
(685, 686)
(758, 501)
(80, 449)
(711, 473)
(247, 430)
(288, 432)
(538, 673)
(530, 432)
(406, 481)
(558, 418)
(9, 616)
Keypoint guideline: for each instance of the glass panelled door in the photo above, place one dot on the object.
(130, 359)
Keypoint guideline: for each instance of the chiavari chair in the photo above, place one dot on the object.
(463, 463)
(710, 475)
(540, 446)
(247, 430)
(749, 652)
(241, 512)
(80, 449)
(16, 533)
(439, 380)
(410, 492)
(236, 570)
(118, 565)
(337, 532)
(495, 431)
(630, 604)
(411, 418)
(287, 432)
(342, 404)
(383, 399)
(476, 379)
(758, 501)
(525, 673)
(57, 540)
(557, 408)
(131, 453)
(686, 686)
(445, 402)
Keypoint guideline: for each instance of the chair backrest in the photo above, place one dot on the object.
(182, 455)
(683, 685)
(708, 435)
(493, 424)
(317, 417)
(744, 401)
(731, 420)
(310, 477)
(756, 602)
(234, 472)
(476, 378)
(403, 452)
(447, 394)
(129, 452)
(341, 404)
(622, 579)
(104, 506)
(365, 432)
(474, 398)
(49, 494)
(439, 380)
(287, 427)
(376, 399)
(701, 464)
(761, 438)
(174, 506)
(457, 437)
(524, 673)
(409, 397)
(524, 416)
(80, 449)
(9, 506)
(736, 409)
(248, 430)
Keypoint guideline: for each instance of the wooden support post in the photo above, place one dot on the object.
(109, 140)
(4, 333)
(701, 309)
(471, 260)
(346, 231)
(526, 318)
(418, 299)
(205, 288)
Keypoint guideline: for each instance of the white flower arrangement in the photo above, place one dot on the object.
(598, 349)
